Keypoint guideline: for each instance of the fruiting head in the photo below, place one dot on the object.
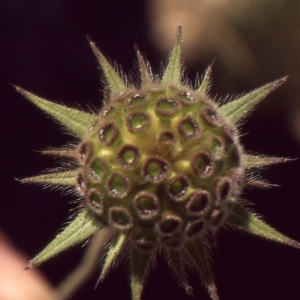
(162, 166)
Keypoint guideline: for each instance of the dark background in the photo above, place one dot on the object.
(44, 48)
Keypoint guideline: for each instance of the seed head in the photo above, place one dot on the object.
(162, 166)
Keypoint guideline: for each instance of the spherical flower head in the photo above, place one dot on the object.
(161, 167)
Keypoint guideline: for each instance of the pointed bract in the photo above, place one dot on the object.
(113, 80)
(145, 71)
(81, 228)
(258, 183)
(115, 248)
(243, 219)
(74, 120)
(257, 161)
(60, 153)
(196, 252)
(140, 263)
(239, 108)
(176, 263)
(205, 84)
(67, 178)
(173, 74)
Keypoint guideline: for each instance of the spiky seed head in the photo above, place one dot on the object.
(162, 165)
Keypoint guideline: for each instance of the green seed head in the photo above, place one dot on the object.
(162, 166)
(164, 154)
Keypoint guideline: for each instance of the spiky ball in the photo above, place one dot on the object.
(158, 168)
(161, 162)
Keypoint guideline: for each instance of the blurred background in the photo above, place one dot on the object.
(44, 49)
